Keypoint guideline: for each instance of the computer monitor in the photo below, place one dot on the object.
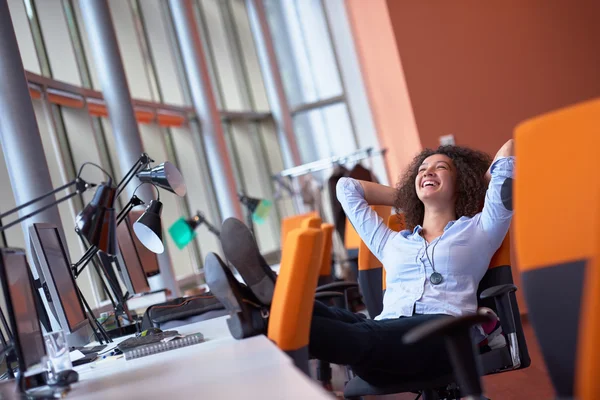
(18, 289)
(54, 269)
(129, 260)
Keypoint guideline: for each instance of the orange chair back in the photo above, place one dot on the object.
(293, 222)
(555, 234)
(311, 222)
(351, 238)
(366, 259)
(587, 384)
(396, 223)
(293, 298)
(327, 229)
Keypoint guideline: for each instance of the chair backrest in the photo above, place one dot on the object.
(396, 223)
(587, 384)
(370, 271)
(293, 298)
(293, 222)
(553, 193)
(311, 222)
(351, 238)
(325, 271)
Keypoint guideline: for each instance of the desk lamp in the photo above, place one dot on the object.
(184, 230)
(258, 209)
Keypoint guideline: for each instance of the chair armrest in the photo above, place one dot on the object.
(456, 332)
(502, 297)
(337, 286)
(497, 290)
(328, 295)
(444, 327)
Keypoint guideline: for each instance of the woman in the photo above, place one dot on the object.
(432, 269)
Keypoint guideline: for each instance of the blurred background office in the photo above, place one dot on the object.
(291, 82)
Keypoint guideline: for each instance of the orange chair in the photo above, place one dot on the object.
(555, 189)
(351, 238)
(370, 271)
(295, 221)
(293, 299)
(325, 271)
(311, 222)
(587, 384)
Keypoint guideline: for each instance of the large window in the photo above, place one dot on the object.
(311, 78)
(75, 127)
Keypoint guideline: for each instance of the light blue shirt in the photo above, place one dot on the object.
(462, 254)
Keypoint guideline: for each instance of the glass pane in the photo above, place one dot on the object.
(162, 50)
(274, 160)
(250, 60)
(249, 160)
(131, 52)
(58, 41)
(304, 50)
(324, 132)
(20, 21)
(221, 53)
(199, 186)
(181, 259)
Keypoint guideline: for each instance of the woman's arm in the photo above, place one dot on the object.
(368, 224)
(507, 150)
(378, 195)
(498, 211)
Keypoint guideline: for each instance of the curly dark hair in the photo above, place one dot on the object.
(471, 166)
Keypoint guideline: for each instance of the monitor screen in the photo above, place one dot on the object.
(20, 303)
(58, 264)
(132, 259)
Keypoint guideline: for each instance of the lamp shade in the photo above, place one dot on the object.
(166, 176)
(183, 231)
(97, 222)
(148, 228)
(259, 208)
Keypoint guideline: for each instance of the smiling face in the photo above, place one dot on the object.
(436, 180)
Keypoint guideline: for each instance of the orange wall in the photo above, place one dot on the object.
(477, 68)
(384, 80)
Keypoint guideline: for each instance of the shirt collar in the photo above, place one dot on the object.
(417, 230)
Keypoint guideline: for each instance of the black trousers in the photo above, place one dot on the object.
(374, 349)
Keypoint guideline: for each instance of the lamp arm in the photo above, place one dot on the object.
(81, 186)
(142, 162)
(84, 260)
(134, 201)
(23, 218)
(209, 226)
(212, 228)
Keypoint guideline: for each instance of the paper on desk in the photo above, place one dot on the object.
(76, 355)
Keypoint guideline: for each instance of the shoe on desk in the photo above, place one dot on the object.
(242, 252)
(247, 317)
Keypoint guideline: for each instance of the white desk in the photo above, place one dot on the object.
(220, 368)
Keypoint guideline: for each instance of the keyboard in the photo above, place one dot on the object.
(142, 340)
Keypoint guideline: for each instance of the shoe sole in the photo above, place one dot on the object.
(222, 284)
(241, 250)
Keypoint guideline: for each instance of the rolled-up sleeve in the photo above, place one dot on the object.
(368, 224)
(498, 210)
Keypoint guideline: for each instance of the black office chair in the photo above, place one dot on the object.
(496, 291)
